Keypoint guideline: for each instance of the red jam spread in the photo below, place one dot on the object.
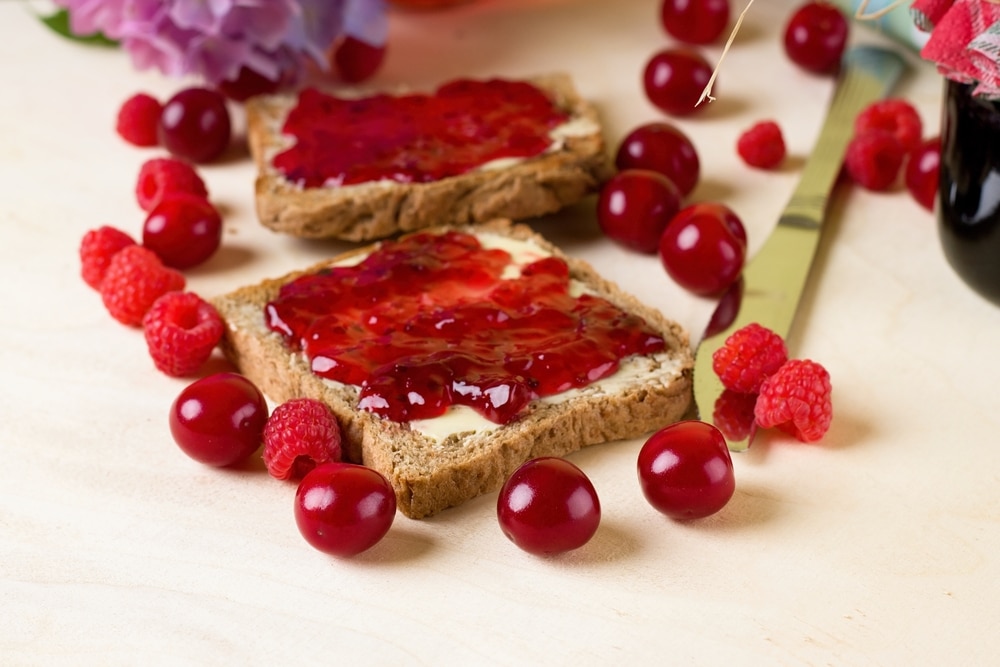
(414, 138)
(431, 321)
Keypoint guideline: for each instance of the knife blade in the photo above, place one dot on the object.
(774, 279)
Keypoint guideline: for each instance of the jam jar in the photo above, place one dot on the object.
(969, 188)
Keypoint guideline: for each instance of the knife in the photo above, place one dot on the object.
(774, 279)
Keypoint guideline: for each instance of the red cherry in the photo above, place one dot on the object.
(674, 80)
(356, 60)
(702, 250)
(695, 21)
(183, 230)
(663, 148)
(219, 420)
(922, 168)
(726, 214)
(815, 36)
(685, 470)
(195, 125)
(548, 506)
(635, 206)
(726, 309)
(249, 83)
(343, 509)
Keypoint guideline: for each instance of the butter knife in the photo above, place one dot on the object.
(774, 279)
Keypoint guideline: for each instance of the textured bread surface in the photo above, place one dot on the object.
(529, 188)
(430, 474)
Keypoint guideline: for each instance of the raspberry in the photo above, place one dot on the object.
(181, 330)
(762, 146)
(874, 159)
(134, 280)
(733, 414)
(162, 176)
(896, 116)
(796, 399)
(138, 118)
(748, 357)
(300, 435)
(96, 250)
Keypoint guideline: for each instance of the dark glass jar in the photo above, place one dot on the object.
(969, 188)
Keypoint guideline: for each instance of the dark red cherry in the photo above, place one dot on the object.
(815, 36)
(343, 509)
(922, 169)
(664, 148)
(686, 471)
(356, 60)
(548, 506)
(219, 420)
(695, 21)
(183, 230)
(700, 250)
(635, 206)
(726, 309)
(195, 125)
(249, 83)
(674, 80)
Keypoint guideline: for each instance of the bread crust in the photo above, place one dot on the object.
(429, 475)
(366, 211)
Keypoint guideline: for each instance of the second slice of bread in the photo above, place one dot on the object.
(431, 472)
(574, 167)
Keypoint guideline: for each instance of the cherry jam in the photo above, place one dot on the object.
(434, 320)
(969, 188)
(414, 138)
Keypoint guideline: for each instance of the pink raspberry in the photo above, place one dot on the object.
(874, 158)
(797, 399)
(762, 146)
(162, 176)
(181, 330)
(134, 280)
(300, 435)
(896, 116)
(748, 357)
(733, 414)
(138, 118)
(96, 250)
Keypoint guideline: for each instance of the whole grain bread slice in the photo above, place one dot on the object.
(431, 473)
(574, 167)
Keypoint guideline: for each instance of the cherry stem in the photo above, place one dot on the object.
(706, 94)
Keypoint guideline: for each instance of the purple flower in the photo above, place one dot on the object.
(214, 39)
(92, 16)
(366, 20)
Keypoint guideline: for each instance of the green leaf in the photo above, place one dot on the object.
(59, 23)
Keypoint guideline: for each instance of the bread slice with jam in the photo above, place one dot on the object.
(541, 356)
(370, 167)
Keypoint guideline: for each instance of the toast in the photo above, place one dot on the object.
(439, 463)
(575, 165)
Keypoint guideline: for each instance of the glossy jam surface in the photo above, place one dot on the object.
(435, 320)
(969, 188)
(415, 138)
